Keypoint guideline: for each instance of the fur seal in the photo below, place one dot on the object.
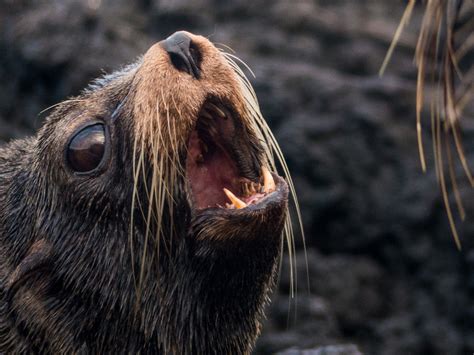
(143, 216)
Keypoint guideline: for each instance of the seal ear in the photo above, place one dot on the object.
(38, 258)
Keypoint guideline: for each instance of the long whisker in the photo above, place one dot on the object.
(272, 154)
(445, 39)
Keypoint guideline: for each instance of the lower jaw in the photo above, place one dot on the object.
(262, 220)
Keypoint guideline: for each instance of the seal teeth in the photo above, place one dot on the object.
(255, 187)
(268, 183)
(249, 189)
(235, 200)
(245, 189)
(221, 113)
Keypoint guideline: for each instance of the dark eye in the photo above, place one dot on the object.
(86, 149)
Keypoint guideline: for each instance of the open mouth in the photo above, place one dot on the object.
(221, 173)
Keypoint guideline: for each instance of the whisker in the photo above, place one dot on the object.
(271, 151)
(445, 39)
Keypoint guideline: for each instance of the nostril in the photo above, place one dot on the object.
(184, 54)
(179, 63)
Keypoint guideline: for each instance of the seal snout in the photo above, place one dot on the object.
(201, 126)
(183, 53)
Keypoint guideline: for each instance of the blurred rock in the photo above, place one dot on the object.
(325, 350)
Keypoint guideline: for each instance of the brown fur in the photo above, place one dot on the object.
(118, 261)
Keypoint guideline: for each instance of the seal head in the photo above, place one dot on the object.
(146, 215)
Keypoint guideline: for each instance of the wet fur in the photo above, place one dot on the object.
(100, 264)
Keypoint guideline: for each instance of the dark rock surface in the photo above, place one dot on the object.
(384, 272)
(325, 350)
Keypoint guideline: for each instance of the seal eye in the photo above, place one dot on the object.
(86, 149)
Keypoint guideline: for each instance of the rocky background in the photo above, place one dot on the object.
(384, 272)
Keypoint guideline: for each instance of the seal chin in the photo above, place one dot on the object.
(224, 175)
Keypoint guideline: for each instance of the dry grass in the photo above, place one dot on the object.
(444, 60)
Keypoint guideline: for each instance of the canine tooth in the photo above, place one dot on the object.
(235, 200)
(218, 111)
(245, 189)
(250, 189)
(268, 183)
